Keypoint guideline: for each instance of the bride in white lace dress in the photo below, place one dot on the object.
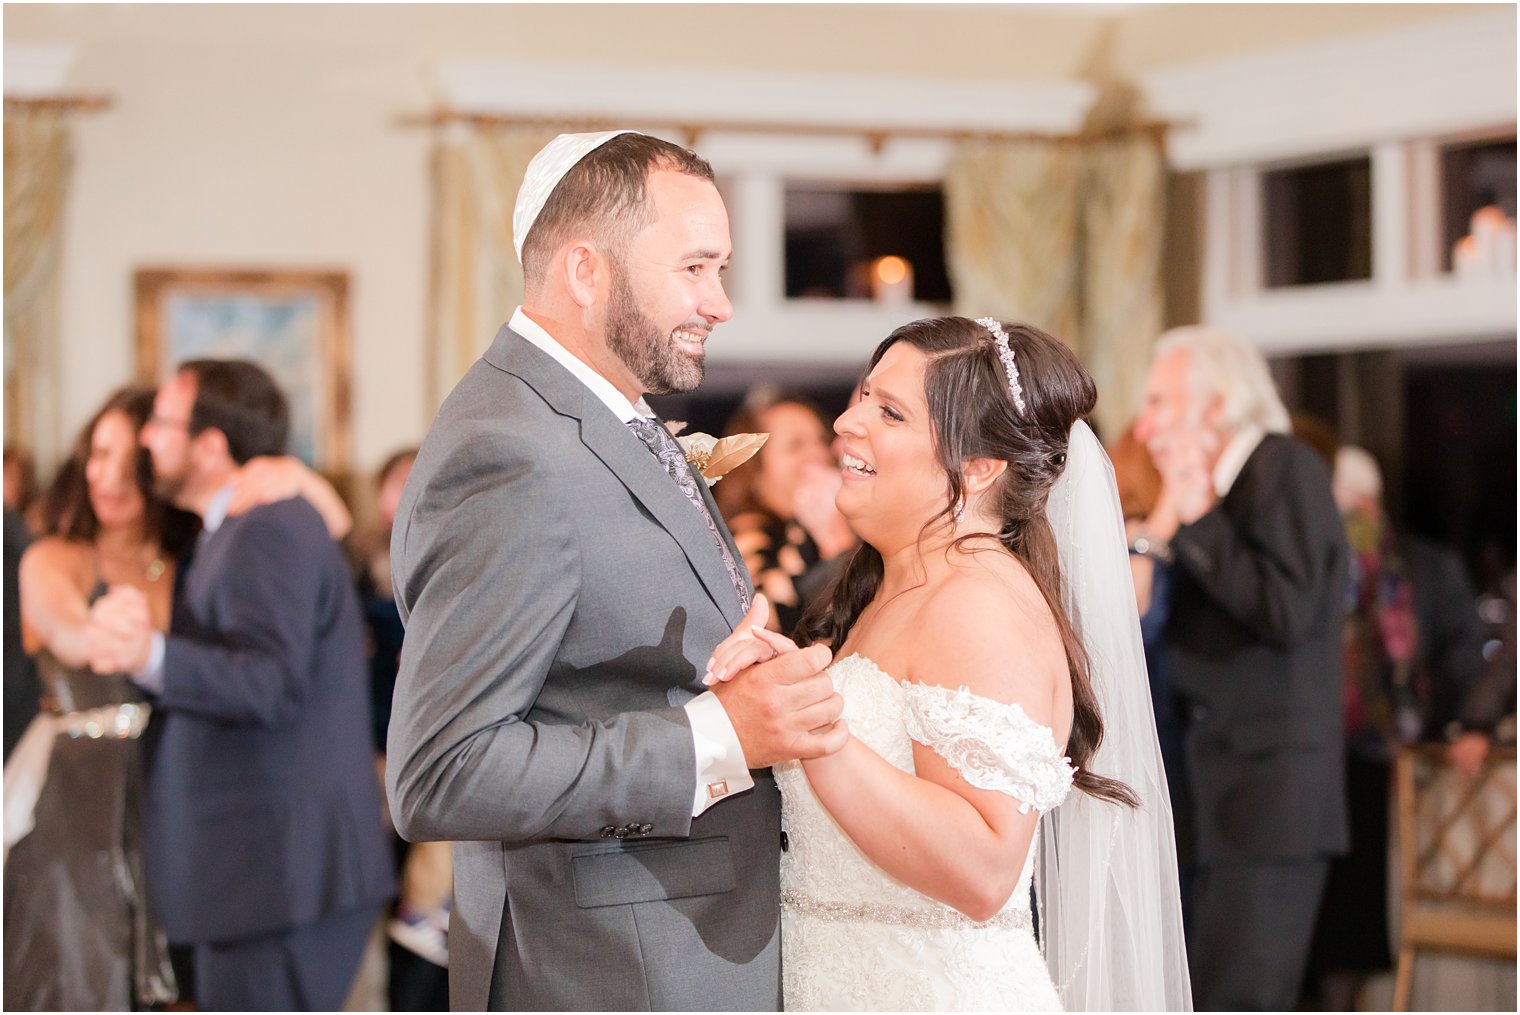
(910, 852)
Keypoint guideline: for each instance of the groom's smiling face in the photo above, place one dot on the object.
(667, 286)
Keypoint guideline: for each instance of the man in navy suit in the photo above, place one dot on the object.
(266, 850)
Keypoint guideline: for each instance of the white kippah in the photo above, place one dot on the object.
(548, 167)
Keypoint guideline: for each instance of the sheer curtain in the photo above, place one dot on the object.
(1123, 221)
(1065, 234)
(475, 278)
(1011, 210)
(39, 161)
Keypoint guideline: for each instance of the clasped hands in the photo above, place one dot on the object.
(781, 703)
(119, 636)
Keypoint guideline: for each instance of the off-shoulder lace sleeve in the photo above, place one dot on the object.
(992, 744)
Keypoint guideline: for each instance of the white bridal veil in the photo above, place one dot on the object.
(1106, 874)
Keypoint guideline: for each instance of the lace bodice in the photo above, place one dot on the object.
(847, 920)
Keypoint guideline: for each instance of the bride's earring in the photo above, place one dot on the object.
(960, 509)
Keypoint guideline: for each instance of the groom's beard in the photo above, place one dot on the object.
(649, 355)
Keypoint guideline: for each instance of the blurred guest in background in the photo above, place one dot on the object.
(1413, 648)
(1415, 639)
(78, 929)
(817, 498)
(1316, 433)
(1136, 475)
(21, 688)
(779, 505)
(1487, 713)
(371, 553)
(20, 481)
(265, 844)
(419, 956)
(1257, 602)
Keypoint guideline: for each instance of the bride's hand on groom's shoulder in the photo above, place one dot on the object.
(750, 643)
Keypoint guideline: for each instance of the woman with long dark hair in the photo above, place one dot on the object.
(78, 929)
(997, 701)
(766, 501)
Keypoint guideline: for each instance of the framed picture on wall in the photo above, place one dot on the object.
(292, 323)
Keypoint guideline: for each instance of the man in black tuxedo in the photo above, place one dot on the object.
(1261, 572)
(265, 845)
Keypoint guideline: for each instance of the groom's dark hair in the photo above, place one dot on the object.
(605, 192)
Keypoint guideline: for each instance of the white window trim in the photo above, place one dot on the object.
(1395, 93)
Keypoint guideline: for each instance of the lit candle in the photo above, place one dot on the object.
(1464, 258)
(892, 280)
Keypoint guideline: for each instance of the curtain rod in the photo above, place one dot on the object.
(877, 137)
(65, 103)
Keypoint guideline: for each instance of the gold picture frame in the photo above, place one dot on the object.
(292, 323)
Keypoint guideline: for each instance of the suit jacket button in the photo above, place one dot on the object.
(645, 828)
(620, 832)
(608, 831)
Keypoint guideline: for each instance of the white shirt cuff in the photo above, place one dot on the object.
(151, 676)
(721, 771)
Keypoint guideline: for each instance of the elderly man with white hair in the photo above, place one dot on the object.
(1261, 572)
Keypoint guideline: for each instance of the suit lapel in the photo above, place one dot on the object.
(202, 576)
(625, 455)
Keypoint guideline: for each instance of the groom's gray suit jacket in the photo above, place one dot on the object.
(561, 598)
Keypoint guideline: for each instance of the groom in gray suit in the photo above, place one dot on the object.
(564, 577)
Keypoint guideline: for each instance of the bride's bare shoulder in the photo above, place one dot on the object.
(989, 629)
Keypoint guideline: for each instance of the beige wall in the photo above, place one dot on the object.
(264, 135)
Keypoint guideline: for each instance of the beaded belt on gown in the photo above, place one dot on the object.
(904, 916)
(91, 706)
(118, 722)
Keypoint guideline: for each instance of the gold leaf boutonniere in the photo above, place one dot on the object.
(715, 457)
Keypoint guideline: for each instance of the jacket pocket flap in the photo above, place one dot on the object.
(653, 873)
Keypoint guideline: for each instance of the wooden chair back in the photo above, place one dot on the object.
(1456, 858)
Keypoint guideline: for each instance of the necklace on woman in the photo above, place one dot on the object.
(152, 571)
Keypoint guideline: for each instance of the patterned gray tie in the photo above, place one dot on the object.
(664, 447)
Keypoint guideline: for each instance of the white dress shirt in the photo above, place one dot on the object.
(1234, 456)
(721, 771)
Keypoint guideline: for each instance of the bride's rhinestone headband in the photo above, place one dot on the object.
(1005, 353)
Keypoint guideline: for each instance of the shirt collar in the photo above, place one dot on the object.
(216, 511)
(1234, 456)
(600, 386)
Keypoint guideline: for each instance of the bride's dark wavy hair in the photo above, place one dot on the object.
(972, 415)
